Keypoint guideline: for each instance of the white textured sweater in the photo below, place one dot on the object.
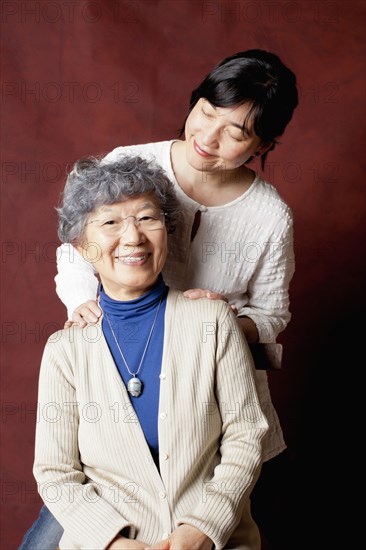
(243, 250)
(92, 463)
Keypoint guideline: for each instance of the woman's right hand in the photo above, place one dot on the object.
(88, 312)
(121, 543)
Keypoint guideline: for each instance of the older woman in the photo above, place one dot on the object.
(150, 429)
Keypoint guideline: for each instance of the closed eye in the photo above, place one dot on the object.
(206, 114)
(235, 138)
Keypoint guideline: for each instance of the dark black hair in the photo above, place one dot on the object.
(258, 78)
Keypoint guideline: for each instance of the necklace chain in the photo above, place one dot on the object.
(147, 341)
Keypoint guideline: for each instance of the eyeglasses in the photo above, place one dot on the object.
(150, 221)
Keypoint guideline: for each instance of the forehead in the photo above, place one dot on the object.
(234, 115)
(130, 205)
(232, 110)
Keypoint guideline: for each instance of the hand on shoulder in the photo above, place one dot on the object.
(196, 293)
(88, 312)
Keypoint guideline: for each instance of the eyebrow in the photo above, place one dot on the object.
(244, 128)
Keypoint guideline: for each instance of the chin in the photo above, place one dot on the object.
(200, 164)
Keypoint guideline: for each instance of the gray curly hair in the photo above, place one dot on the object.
(93, 182)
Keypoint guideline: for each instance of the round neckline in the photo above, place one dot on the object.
(204, 207)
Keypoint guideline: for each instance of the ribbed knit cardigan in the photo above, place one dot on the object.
(92, 463)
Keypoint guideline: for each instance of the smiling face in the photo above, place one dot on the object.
(215, 138)
(127, 256)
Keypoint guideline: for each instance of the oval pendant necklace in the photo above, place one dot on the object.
(134, 386)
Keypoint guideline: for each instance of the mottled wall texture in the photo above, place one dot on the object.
(82, 77)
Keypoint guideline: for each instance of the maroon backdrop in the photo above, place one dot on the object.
(83, 77)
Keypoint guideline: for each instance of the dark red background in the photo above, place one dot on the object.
(84, 77)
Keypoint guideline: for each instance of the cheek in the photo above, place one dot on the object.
(236, 156)
(102, 251)
(193, 122)
(188, 128)
(161, 253)
(241, 153)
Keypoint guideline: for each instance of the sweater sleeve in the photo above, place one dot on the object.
(76, 280)
(268, 289)
(88, 520)
(243, 427)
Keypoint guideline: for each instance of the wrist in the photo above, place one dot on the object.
(250, 329)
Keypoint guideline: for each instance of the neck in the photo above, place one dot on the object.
(140, 304)
(121, 294)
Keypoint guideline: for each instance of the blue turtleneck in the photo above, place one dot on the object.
(131, 322)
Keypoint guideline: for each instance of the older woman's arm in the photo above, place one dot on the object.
(219, 509)
(88, 520)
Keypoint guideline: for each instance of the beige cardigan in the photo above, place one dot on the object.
(92, 463)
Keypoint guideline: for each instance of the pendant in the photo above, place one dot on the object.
(134, 386)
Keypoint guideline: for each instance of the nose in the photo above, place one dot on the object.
(131, 233)
(210, 136)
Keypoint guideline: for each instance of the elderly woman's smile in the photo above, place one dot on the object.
(130, 243)
(136, 258)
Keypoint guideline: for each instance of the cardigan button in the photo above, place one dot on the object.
(164, 456)
(162, 376)
(163, 416)
(162, 495)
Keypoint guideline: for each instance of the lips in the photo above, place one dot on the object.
(200, 151)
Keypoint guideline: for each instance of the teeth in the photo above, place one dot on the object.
(135, 259)
(131, 259)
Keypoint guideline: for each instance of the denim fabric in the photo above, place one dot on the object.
(45, 533)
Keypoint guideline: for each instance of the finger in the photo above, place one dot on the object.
(77, 319)
(216, 296)
(94, 308)
(68, 324)
(194, 293)
(87, 314)
(84, 314)
(162, 545)
(235, 309)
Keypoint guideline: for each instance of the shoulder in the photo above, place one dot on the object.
(197, 310)
(191, 323)
(271, 198)
(74, 340)
(267, 211)
(70, 352)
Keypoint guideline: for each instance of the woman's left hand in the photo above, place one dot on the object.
(185, 537)
(195, 293)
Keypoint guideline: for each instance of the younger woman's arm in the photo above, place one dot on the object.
(76, 281)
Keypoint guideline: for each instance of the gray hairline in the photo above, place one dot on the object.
(145, 177)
